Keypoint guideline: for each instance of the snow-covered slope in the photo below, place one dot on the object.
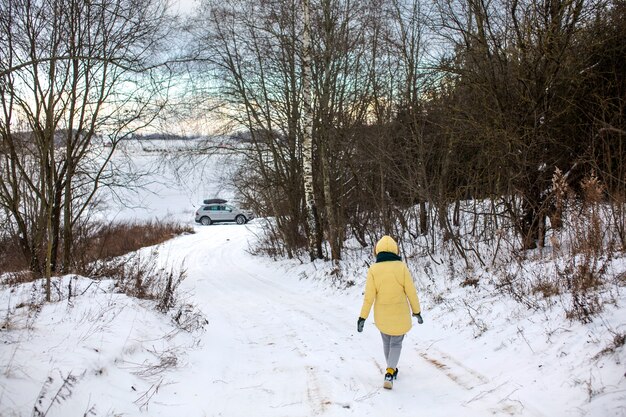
(97, 353)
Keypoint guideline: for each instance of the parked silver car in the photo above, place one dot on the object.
(217, 211)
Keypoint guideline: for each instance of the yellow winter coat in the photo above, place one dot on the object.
(389, 285)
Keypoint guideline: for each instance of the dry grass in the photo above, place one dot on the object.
(591, 252)
(547, 288)
(110, 241)
(470, 282)
(93, 242)
(583, 251)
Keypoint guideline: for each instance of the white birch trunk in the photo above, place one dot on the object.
(307, 130)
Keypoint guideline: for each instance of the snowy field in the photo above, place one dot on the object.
(281, 339)
(166, 183)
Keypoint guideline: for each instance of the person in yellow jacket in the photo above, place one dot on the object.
(390, 289)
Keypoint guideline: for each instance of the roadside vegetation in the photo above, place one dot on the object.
(96, 244)
(489, 132)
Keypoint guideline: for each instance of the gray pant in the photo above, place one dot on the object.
(392, 345)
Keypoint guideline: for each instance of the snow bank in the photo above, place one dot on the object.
(97, 352)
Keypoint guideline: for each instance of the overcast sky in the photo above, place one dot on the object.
(184, 6)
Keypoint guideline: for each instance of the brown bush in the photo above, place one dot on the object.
(113, 240)
(96, 241)
(589, 236)
(546, 288)
(11, 257)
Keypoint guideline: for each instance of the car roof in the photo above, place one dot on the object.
(218, 204)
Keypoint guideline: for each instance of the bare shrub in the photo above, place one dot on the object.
(136, 274)
(16, 278)
(588, 227)
(162, 360)
(546, 287)
(619, 339)
(584, 276)
(618, 214)
(141, 276)
(576, 273)
(591, 251)
(144, 399)
(272, 243)
(43, 405)
(188, 318)
(514, 285)
(167, 297)
(479, 325)
(559, 193)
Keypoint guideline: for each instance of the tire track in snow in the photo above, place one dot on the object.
(453, 369)
(318, 400)
(470, 380)
(274, 303)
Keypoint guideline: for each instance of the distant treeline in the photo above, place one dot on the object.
(163, 136)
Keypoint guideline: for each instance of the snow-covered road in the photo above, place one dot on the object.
(277, 345)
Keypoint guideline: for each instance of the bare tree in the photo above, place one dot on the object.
(307, 131)
(419, 111)
(76, 78)
(513, 68)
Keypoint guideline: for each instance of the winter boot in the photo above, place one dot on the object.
(389, 376)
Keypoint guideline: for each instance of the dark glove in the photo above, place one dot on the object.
(359, 324)
(419, 317)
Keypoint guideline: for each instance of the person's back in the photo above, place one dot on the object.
(390, 289)
(393, 285)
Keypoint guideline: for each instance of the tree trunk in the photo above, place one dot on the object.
(529, 228)
(456, 220)
(333, 235)
(307, 134)
(67, 220)
(49, 168)
(423, 218)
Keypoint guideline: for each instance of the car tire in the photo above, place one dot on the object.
(240, 219)
(206, 221)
